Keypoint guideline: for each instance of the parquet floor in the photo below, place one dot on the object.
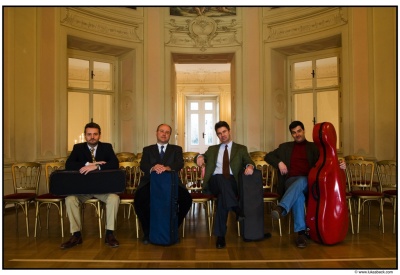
(370, 249)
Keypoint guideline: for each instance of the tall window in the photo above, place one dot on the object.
(315, 90)
(90, 97)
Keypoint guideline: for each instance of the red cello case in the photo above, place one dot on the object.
(327, 212)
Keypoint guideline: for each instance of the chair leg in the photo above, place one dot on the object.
(61, 219)
(36, 216)
(26, 218)
(137, 226)
(183, 227)
(381, 212)
(358, 215)
(351, 216)
(208, 206)
(99, 215)
(394, 214)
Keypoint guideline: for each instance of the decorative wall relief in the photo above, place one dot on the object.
(279, 104)
(280, 25)
(203, 32)
(207, 11)
(83, 20)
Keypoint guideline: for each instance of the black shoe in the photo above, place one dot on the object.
(301, 241)
(71, 242)
(145, 240)
(266, 236)
(277, 212)
(220, 242)
(111, 241)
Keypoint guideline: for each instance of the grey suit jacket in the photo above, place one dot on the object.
(284, 153)
(238, 160)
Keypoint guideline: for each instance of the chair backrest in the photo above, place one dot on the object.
(192, 177)
(138, 157)
(257, 155)
(353, 157)
(387, 173)
(360, 174)
(62, 159)
(133, 174)
(189, 156)
(26, 176)
(125, 156)
(268, 174)
(50, 167)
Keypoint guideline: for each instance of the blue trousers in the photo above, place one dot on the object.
(294, 199)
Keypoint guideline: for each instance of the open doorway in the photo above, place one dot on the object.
(203, 97)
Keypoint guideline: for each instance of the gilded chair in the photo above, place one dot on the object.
(62, 159)
(353, 157)
(192, 177)
(268, 179)
(348, 197)
(360, 175)
(133, 175)
(189, 156)
(97, 205)
(26, 178)
(125, 156)
(375, 183)
(387, 174)
(49, 199)
(138, 157)
(257, 155)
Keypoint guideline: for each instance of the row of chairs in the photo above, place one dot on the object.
(359, 176)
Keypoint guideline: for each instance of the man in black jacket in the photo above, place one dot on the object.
(172, 160)
(86, 157)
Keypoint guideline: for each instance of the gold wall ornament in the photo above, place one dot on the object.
(202, 30)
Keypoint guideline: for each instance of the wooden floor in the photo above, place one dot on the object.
(370, 249)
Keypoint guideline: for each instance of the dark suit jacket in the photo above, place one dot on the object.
(284, 153)
(81, 154)
(238, 160)
(173, 158)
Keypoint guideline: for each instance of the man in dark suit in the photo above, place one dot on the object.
(86, 157)
(152, 161)
(225, 185)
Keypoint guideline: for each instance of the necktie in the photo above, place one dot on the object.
(92, 152)
(225, 164)
(162, 152)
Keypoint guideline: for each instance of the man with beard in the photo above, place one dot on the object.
(86, 157)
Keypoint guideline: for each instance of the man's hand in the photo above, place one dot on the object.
(282, 168)
(342, 165)
(249, 170)
(159, 168)
(86, 169)
(200, 161)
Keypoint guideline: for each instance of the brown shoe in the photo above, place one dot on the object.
(111, 240)
(277, 212)
(301, 241)
(71, 242)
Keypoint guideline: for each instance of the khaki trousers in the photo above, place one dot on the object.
(72, 204)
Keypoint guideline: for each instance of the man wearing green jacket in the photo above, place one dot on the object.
(223, 164)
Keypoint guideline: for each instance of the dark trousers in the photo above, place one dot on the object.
(227, 198)
(142, 206)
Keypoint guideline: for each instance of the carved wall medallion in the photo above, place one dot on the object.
(203, 32)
